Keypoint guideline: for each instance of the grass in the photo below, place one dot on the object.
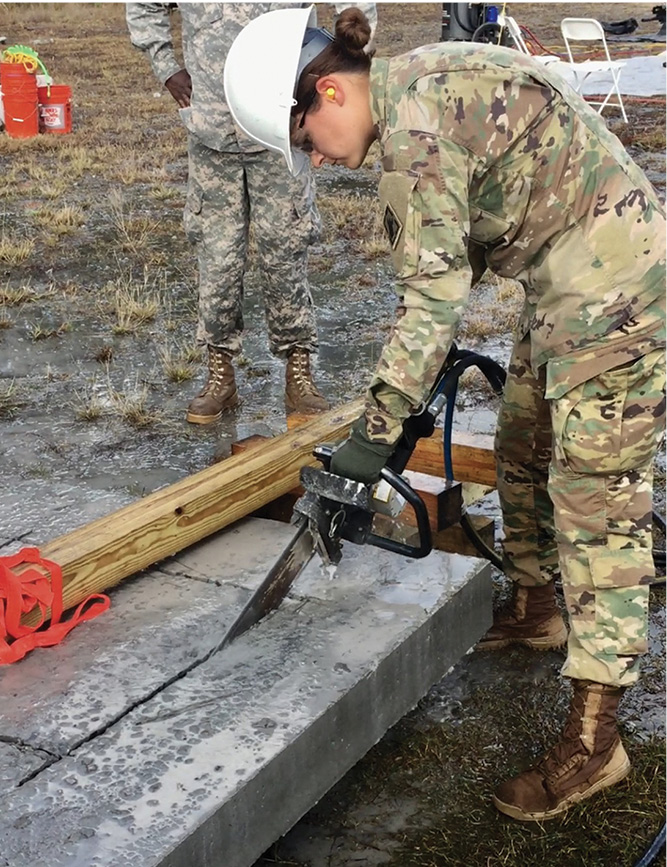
(164, 193)
(88, 407)
(11, 400)
(38, 331)
(54, 189)
(451, 769)
(76, 161)
(104, 354)
(133, 232)
(134, 303)
(177, 364)
(351, 216)
(652, 138)
(132, 406)
(13, 296)
(14, 249)
(60, 220)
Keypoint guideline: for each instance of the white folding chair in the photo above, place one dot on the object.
(590, 30)
(516, 35)
(515, 32)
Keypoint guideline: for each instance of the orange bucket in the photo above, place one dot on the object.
(19, 100)
(55, 108)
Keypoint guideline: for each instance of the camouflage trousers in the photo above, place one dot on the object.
(226, 191)
(575, 484)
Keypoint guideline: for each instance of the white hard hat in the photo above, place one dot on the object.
(262, 69)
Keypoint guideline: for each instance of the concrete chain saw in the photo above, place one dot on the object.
(334, 509)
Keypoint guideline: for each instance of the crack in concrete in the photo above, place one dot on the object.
(48, 759)
(17, 742)
(126, 711)
(204, 580)
(18, 538)
(301, 601)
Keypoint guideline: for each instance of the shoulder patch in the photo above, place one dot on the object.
(392, 225)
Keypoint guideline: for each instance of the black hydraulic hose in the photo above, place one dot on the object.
(495, 376)
(491, 26)
(654, 849)
(455, 15)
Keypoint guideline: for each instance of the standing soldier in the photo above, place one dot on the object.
(489, 160)
(232, 179)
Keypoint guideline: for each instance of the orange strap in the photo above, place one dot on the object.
(27, 589)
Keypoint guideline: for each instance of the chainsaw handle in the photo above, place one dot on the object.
(399, 484)
(323, 453)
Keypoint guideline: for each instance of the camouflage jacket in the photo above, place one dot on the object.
(208, 32)
(489, 160)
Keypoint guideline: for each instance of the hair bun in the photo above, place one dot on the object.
(353, 31)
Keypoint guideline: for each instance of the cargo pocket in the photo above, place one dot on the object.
(401, 219)
(490, 229)
(621, 600)
(192, 217)
(609, 423)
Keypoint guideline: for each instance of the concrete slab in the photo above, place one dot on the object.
(159, 626)
(218, 764)
(238, 558)
(36, 510)
(18, 762)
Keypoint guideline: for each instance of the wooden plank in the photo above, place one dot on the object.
(248, 443)
(102, 553)
(472, 455)
(442, 500)
(455, 541)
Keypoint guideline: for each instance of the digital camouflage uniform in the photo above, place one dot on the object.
(491, 160)
(233, 180)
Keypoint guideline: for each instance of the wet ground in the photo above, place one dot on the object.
(96, 326)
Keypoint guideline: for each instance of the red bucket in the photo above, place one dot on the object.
(19, 100)
(55, 108)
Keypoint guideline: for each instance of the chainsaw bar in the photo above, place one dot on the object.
(277, 583)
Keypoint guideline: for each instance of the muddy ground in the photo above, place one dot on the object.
(97, 364)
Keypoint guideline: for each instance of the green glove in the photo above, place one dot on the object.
(358, 457)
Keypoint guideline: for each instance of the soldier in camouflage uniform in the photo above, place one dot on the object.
(230, 180)
(491, 161)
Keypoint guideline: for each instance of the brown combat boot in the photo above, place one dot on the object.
(534, 620)
(219, 393)
(301, 395)
(588, 757)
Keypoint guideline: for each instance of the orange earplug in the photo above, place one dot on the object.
(330, 92)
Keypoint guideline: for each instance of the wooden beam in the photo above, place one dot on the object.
(248, 443)
(454, 540)
(442, 500)
(472, 455)
(102, 553)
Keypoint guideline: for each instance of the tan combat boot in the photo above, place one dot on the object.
(534, 620)
(219, 393)
(588, 757)
(301, 395)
